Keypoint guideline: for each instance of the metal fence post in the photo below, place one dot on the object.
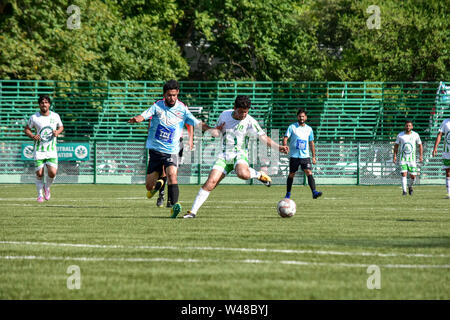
(358, 160)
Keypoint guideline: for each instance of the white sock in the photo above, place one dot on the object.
(199, 200)
(39, 186)
(254, 174)
(411, 182)
(447, 183)
(49, 182)
(404, 183)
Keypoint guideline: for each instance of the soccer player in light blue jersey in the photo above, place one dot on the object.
(168, 118)
(301, 151)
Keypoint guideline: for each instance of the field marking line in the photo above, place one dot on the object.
(246, 261)
(320, 252)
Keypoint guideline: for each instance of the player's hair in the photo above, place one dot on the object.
(44, 97)
(242, 102)
(408, 121)
(301, 110)
(171, 85)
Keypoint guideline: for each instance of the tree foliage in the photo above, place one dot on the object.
(273, 40)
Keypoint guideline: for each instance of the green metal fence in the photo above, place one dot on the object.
(350, 120)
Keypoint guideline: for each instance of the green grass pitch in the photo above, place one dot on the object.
(237, 248)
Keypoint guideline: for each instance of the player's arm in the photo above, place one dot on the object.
(436, 143)
(30, 134)
(395, 152)
(313, 151)
(136, 119)
(285, 140)
(420, 152)
(216, 131)
(190, 130)
(58, 131)
(269, 142)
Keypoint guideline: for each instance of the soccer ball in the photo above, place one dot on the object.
(286, 208)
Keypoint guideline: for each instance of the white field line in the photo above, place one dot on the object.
(320, 252)
(252, 261)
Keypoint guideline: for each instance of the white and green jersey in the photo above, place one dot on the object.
(408, 147)
(445, 129)
(45, 148)
(236, 134)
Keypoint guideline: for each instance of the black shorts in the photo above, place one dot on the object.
(158, 160)
(294, 163)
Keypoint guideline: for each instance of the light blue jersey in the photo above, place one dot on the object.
(299, 138)
(166, 126)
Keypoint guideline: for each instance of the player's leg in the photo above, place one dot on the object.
(215, 176)
(404, 173)
(412, 178)
(447, 181)
(307, 169)
(294, 163)
(160, 200)
(154, 170)
(173, 192)
(245, 172)
(39, 164)
(52, 169)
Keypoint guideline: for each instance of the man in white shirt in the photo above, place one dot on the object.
(407, 141)
(48, 126)
(444, 131)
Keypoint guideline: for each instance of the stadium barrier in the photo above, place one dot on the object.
(124, 162)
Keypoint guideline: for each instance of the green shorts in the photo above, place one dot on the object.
(226, 166)
(408, 168)
(49, 162)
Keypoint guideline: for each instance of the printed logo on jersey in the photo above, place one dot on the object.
(301, 144)
(46, 134)
(407, 148)
(164, 134)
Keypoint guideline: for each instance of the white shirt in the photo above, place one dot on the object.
(45, 148)
(445, 129)
(408, 147)
(236, 133)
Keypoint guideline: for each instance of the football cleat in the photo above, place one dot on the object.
(176, 209)
(316, 194)
(410, 191)
(265, 179)
(159, 184)
(169, 204)
(404, 193)
(160, 201)
(189, 215)
(40, 199)
(47, 194)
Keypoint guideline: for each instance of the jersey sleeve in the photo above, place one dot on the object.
(311, 135)
(397, 141)
(30, 122)
(59, 123)
(288, 132)
(147, 114)
(418, 140)
(255, 129)
(190, 119)
(441, 129)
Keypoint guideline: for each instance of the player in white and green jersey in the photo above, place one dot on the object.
(408, 141)
(236, 127)
(444, 131)
(48, 126)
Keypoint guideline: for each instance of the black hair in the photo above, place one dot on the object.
(171, 85)
(408, 121)
(301, 110)
(242, 102)
(44, 97)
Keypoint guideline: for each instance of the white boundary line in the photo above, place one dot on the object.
(320, 252)
(253, 261)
